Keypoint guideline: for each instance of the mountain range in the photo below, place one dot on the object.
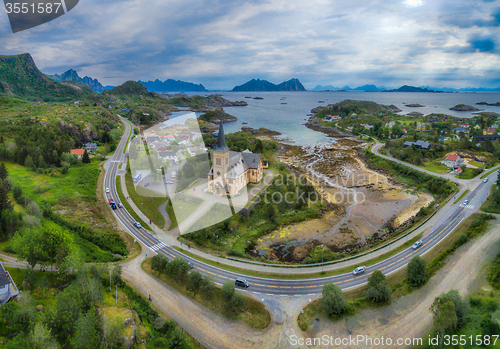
(20, 77)
(72, 75)
(405, 88)
(264, 85)
(172, 86)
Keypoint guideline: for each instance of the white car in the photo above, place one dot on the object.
(465, 202)
(120, 205)
(485, 180)
(137, 225)
(359, 270)
(107, 190)
(417, 244)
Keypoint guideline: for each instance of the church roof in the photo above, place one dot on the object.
(221, 140)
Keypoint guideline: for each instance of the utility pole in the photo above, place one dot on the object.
(116, 295)
(109, 280)
(217, 248)
(321, 258)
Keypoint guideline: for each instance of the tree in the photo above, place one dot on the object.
(28, 162)
(30, 277)
(17, 192)
(85, 157)
(44, 283)
(41, 162)
(46, 246)
(5, 203)
(378, 288)
(462, 307)
(159, 263)
(333, 300)
(87, 335)
(195, 282)
(40, 338)
(444, 313)
(237, 302)
(207, 288)
(416, 271)
(178, 269)
(3, 172)
(116, 275)
(227, 291)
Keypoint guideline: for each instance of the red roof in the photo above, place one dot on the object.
(77, 151)
(452, 157)
(459, 169)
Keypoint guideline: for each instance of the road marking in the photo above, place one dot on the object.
(158, 246)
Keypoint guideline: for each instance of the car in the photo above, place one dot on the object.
(137, 225)
(146, 184)
(465, 202)
(485, 180)
(107, 190)
(169, 181)
(241, 282)
(417, 244)
(191, 265)
(120, 205)
(359, 270)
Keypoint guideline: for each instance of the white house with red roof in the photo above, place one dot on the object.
(453, 160)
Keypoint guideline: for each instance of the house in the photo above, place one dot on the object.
(490, 131)
(482, 138)
(422, 126)
(390, 124)
(91, 147)
(453, 160)
(460, 129)
(232, 171)
(458, 170)
(185, 143)
(422, 145)
(168, 155)
(78, 152)
(407, 144)
(328, 118)
(8, 288)
(152, 139)
(265, 164)
(161, 149)
(192, 150)
(404, 130)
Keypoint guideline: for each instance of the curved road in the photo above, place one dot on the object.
(284, 287)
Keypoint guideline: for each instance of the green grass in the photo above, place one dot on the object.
(148, 205)
(461, 196)
(435, 167)
(126, 144)
(253, 314)
(184, 209)
(468, 173)
(127, 206)
(477, 164)
(80, 182)
(300, 276)
(488, 173)
(489, 205)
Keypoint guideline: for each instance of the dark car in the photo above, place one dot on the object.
(241, 282)
(191, 265)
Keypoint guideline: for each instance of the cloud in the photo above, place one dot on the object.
(223, 43)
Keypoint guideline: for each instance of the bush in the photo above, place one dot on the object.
(378, 288)
(228, 291)
(333, 300)
(415, 271)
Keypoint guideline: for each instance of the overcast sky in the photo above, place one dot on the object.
(224, 43)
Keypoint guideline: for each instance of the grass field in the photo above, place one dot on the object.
(148, 205)
(435, 167)
(468, 173)
(127, 206)
(489, 205)
(184, 208)
(254, 312)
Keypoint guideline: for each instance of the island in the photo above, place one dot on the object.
(464, 107)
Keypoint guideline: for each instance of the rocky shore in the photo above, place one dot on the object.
(464, 107)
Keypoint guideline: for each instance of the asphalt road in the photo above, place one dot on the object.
(258, 285)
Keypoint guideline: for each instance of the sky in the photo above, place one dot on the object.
(224, 43)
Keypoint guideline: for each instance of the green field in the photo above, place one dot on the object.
(148, 205)
(436, 167)
(468, 173)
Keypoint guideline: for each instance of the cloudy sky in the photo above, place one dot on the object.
(223, 43)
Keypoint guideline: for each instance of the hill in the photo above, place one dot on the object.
(72, 75)
(19, 77)
(406, 88)
(130, 88)
(173, 86)
(264, 85)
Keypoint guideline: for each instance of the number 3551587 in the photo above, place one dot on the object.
(40, 8)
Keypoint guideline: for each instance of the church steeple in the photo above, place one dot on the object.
(221, 140)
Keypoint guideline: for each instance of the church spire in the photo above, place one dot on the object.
(221, 140)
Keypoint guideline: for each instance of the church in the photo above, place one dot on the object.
(231, 171)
